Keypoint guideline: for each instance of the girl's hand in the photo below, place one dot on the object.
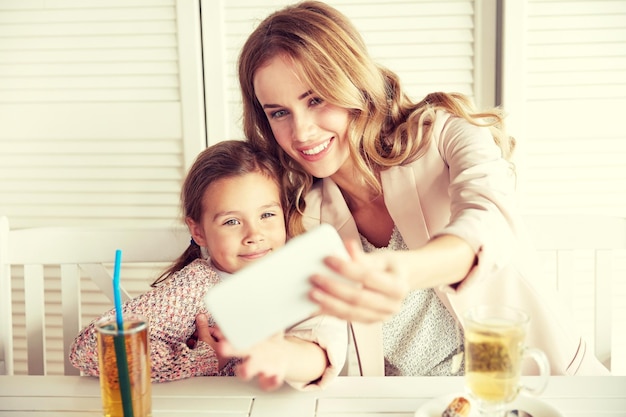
(213, 337)
(379, 284)
(268, 361)
(278, 359)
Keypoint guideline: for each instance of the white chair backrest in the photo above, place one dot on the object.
(580, 251)
(77, 251)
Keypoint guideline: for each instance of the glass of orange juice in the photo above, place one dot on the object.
(494, 351)
(133, 338)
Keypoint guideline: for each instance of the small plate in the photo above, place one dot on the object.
(532, 405)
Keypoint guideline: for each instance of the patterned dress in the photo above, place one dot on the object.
(171, 310)
(423, 337)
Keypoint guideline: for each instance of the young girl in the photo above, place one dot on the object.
(233, 206)
(425, 188)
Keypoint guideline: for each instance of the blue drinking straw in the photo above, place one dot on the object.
(116, 289)
(118, 339)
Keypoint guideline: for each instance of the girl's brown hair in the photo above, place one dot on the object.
(226, 159)
(386, 127)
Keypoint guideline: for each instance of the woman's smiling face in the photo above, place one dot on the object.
(309, 130)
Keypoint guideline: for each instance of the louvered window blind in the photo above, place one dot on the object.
(99, 119)
(91, 112)
(432, 45)
(575, 96)
(567, 81)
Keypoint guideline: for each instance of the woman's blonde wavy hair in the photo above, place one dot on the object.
(386, 128)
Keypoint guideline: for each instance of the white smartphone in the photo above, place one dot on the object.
(270, 294)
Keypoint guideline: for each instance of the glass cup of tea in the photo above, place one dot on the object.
(494, 351)
(124, 365)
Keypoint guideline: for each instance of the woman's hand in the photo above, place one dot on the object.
(378, 285)
(378, 282)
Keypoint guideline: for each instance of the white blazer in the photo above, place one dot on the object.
(462, 186)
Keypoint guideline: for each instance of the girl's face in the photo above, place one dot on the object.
(242, 221)
(309, 130)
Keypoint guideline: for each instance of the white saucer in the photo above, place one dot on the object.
(532, 405)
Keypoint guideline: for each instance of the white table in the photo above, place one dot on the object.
(73, 396)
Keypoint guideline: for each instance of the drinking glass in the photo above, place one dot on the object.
(494, 351)
(132, 340)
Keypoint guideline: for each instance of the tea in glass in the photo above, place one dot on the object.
(134, 339)
(494, 351)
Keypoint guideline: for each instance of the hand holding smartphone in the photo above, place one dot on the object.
(270, 295)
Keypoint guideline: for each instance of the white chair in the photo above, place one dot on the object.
(76, 251)
(580, 253)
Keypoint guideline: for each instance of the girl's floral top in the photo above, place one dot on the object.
(171, 310)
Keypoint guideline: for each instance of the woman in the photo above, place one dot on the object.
(425, 189)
